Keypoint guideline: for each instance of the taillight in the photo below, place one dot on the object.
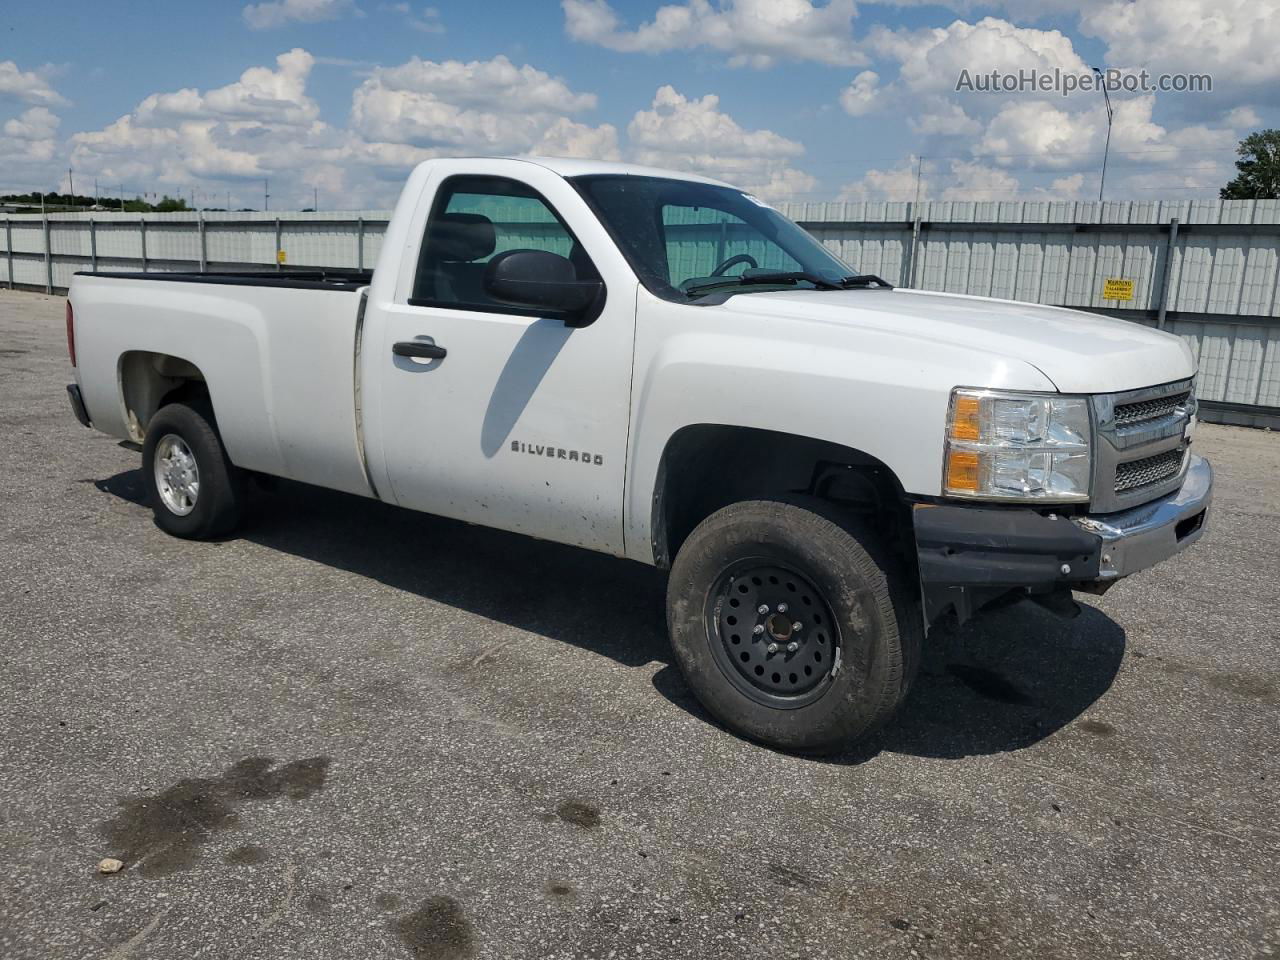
(71, 333)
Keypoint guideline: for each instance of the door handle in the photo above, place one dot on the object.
(419, 348)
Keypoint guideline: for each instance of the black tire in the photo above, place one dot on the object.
(838, 567)
(221, 492)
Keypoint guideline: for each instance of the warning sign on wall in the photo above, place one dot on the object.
(1117, 288)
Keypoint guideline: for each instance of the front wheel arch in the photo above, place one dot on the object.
(707, 466)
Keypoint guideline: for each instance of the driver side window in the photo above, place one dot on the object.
(700, 239)
(472, 220)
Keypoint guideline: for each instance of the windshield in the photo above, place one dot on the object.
(687, 239)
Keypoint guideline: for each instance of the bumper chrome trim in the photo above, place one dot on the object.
(1141, 537)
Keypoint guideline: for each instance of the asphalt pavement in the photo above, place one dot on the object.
(353, 731)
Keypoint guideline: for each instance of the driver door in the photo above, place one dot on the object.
(521, 423)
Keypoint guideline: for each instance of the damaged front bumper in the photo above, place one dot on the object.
(971, 556)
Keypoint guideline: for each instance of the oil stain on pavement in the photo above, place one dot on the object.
(1099, 728)
(162, 833)
(246, 855)
(579, 813)
(437, 930)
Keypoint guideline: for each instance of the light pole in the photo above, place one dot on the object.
(1110, 113)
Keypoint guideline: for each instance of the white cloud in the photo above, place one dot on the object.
(976, 180)
(566, 138)
(483, 83)
(932, 59)
(34, 124)
(695, 135)
(1068, 188)
(28, 146)
(1017, 141)
(426, 20)
(264, 16)
(860, 97)
(896, 184)
(943, 118)
(1032, 129)
(487, 106)
(958, 180)
(30, 86)
(752, 32)
(266, 126)
(1243, 117)
(261, 94)
(1039, 128)
(168, 155)
(1027, 10)
(261, 125)
(1234, 40)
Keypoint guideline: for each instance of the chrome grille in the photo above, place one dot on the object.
(1143, 473)
(1140, 447)
(1131, 413)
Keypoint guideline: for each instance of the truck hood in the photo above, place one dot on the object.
(1080, 352)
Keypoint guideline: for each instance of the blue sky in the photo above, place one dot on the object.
(794, 99)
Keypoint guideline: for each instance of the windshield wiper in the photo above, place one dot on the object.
(791, 277)
(754, 279)
(865, 280)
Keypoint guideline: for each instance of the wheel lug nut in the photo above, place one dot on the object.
(797, 626)
(782, 608)
(792, 647)
(763, 608)
(758, 629)
(773, 648)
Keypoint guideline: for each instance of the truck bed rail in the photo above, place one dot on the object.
(349, 280)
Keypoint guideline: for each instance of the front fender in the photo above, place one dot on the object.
(879, 393)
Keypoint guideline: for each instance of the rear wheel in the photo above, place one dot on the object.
(196, 492)
(790, 625)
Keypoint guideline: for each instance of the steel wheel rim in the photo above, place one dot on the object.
(752, 614)
(177, 475)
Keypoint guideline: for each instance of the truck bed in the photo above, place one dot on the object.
(277, 352)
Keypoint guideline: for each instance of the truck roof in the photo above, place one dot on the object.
(576, 167)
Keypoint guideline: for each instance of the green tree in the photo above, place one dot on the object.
(1258, 166)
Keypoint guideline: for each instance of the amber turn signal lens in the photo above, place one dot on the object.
(962, 470)
(965, 418)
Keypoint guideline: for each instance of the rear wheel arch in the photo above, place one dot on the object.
(149, 381)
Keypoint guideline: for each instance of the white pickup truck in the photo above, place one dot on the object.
(658, 366)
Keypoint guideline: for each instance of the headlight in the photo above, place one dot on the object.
(1010, 446)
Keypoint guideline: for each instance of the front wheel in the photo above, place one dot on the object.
(790, 626)
(196, 492)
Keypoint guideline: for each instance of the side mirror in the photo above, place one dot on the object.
(539, 278)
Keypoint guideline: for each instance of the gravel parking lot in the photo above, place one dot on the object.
(353, 731)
